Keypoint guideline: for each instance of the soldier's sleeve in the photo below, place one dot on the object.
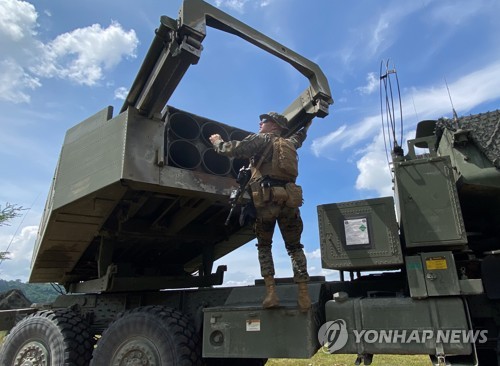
(298, 138)
(243, 149)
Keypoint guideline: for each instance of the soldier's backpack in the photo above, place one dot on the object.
(285, 160)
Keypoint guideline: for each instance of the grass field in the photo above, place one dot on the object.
(324, 359)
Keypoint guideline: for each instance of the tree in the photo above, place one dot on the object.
(7, 213)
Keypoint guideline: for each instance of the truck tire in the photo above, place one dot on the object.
(49, 337)
(149, 335)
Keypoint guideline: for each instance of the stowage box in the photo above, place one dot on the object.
(401, 325)
(242, 329)
(428, 204)
(359, 235)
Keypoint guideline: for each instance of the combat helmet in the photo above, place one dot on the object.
(279, 119)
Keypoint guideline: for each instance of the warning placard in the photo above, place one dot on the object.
(356, 232)
(435, 263)
(253, 325)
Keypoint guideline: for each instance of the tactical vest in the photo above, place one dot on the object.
(284, 162)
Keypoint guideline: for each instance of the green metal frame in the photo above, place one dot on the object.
(177, 45)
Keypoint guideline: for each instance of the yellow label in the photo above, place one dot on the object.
(436, 263)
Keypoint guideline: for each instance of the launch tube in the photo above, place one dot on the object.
(184, 126)
(210, 128)
(238, 135)
(184, 154)
(215, 163)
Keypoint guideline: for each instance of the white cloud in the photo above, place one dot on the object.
(375, 34)
(21, 249)
(239, 5)
(314, 266)
(373, 166)
(315, 254)
(242, 266)
(14, 82)
(18, 19)
(371, 36)
(372, 83)
(17, 31)
(384, 31)
(374, 173)
(380, 34)
(345, 137)
(82, 54)
(455, 13)
(467, 92)
(121, 93)
(321, 143)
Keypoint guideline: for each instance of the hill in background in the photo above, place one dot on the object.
(35, 292)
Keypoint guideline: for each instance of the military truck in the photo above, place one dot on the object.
(135, 220)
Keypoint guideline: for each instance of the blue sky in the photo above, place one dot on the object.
(62, 61)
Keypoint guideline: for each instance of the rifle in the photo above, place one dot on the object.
(243, 178)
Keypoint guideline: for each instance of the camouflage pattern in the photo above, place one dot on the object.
(288, 219)
(254, 145)
(290, 224)
(485, 132)
(279, 119)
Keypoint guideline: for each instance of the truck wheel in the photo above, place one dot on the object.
(151, 336)
(48, 337)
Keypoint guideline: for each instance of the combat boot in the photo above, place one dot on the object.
(271, 300)
(303, 299)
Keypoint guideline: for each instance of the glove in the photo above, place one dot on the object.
(306, 126)
(215, 138)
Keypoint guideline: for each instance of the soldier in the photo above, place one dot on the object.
(273, 164)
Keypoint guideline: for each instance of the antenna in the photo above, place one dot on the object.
(388, 98)
(455, 116)
(414, 107)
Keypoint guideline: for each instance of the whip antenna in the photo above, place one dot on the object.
(455, 116)
(389, 100)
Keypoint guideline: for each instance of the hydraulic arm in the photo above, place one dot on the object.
(177, 45)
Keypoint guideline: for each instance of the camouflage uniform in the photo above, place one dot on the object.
(289, 220)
